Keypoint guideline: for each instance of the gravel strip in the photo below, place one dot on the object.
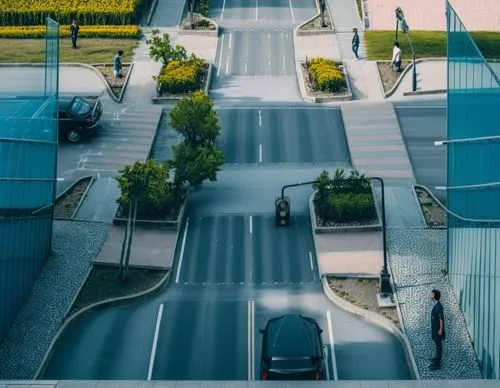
(74, 246)
(417, 258)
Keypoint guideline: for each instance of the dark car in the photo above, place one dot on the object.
(78, 116)
(292, 349)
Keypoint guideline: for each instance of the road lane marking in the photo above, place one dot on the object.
(220, 55)
(155, 342)
(291, 10)
(332, 346)
(256, 9)
(260, 118)
(327, 368)
(260, 153)
(251, 228)
(230, 39)
(222, 12)
(251, 339)
(181, 255)
(311, 261)
(227, 65)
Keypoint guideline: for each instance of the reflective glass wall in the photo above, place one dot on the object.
(473, 193)
(28, 161)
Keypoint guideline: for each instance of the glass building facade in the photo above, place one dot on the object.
(28, 167)
(473, 191)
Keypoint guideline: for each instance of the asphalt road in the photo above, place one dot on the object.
(421, 127)
(255, 53)
(277, 135)
(291, 11)
(233, 268)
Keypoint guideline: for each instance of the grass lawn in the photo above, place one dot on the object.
(427, 44)
(89, 50)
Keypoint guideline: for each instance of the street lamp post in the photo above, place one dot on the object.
(400, 18)
(385, 277)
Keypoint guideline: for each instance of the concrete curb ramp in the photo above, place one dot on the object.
(85, 66)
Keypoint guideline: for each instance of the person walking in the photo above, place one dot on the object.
(437, 329)
(396, 57)
(355, 43)
(73, 32)
(117, 64)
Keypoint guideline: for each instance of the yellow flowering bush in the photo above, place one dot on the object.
(30, 32)
(326, 75)
(90, 12)
(181, 76)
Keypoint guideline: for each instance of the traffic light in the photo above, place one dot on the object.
(282, 211)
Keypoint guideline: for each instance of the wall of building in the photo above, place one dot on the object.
(474, 227)
(28, 164)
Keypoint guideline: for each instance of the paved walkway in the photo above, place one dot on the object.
(477, 15)
(345, 15)
(151, 248)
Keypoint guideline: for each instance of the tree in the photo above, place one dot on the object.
(195, 119)
(161, 49)
(148, 183)
(196, 163)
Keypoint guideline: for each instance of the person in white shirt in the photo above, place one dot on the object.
(396, 57)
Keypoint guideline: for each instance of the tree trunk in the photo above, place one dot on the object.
(124, 244)
(129, 246)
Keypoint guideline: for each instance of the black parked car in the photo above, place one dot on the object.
(292, 349)
(78, 116)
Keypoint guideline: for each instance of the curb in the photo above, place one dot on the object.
(64, 192)
(415, 186)
(404, 72)
(84, 66)
(319, 100)
(102, 304)
(375, 319)
(174, 99)
(316, 32)
(331, 230)
(92, 179)
(425, 92)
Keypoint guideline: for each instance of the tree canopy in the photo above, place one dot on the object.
(161, 49)
(195, 119)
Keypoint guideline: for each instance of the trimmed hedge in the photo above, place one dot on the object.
(326, 75)
(181, 76)
(343, 199)
(90, 12)
(34, 32)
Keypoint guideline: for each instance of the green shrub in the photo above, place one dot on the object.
(202, 7)
(181, 76)
(344, 199)
(326, 75)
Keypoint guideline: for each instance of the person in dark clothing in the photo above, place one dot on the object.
(117, 64)
(73, 32)
(437, 329)
(355, 43)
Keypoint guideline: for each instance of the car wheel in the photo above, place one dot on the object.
(74, 136)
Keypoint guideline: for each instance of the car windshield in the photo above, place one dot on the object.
(291, 363)
(79, 106)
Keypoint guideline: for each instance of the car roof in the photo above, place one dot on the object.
(65, 101)
(292, 335)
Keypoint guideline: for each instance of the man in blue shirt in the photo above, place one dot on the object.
(437, 329)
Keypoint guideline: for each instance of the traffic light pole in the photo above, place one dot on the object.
(385, 277)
